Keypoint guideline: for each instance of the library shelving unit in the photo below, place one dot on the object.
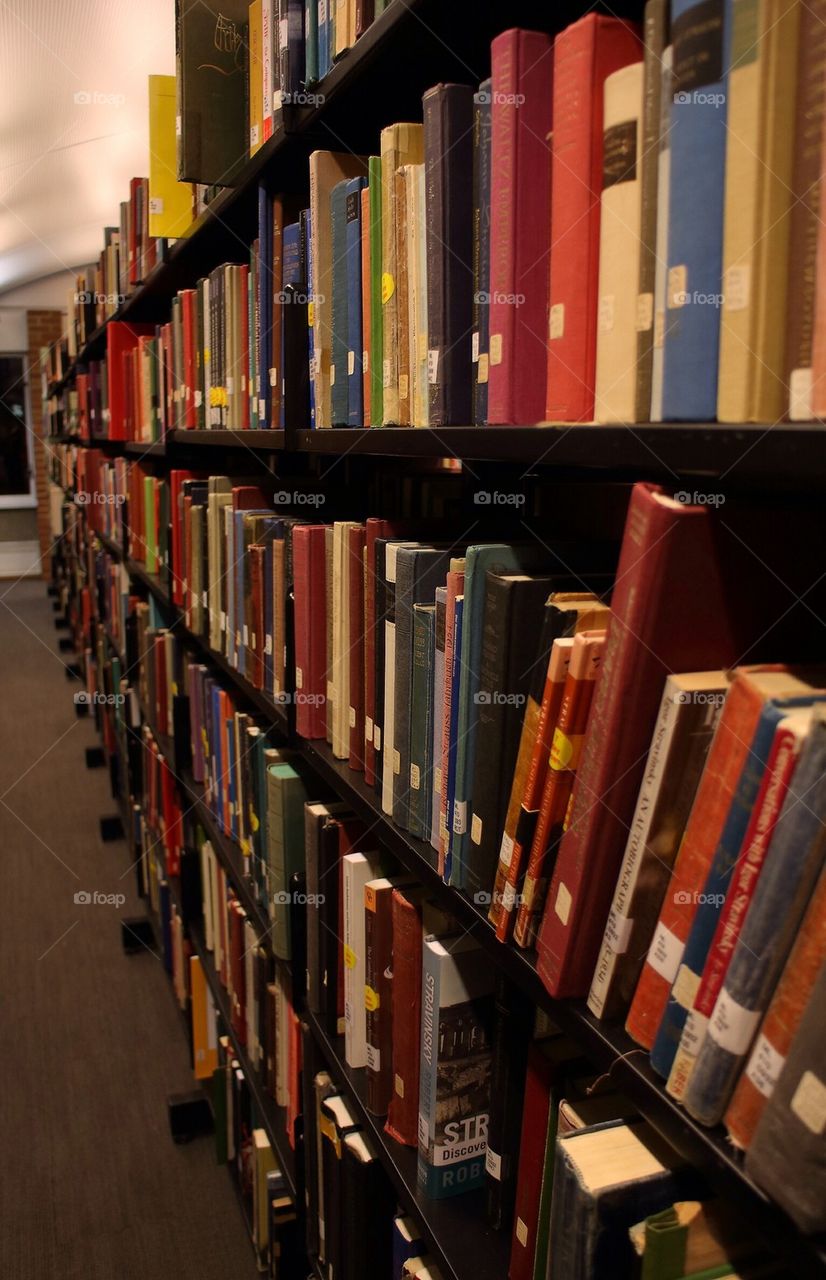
(376, 83)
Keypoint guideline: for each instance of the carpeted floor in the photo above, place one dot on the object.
(91, 1185)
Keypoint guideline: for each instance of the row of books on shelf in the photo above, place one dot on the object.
(545, 246)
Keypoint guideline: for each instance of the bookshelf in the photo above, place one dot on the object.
(375, 84)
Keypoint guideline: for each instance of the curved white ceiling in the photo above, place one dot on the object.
(73, 123)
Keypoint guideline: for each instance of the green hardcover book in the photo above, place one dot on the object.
(149, 551)
(286, 797)
(211, 58)
(421, 720)
(376, 325)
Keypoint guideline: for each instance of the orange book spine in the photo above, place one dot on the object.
(509, 869)
(726, 758)
(780, 1024)
(563, 761)
(365, 302)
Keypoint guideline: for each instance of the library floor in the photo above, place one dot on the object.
(91, 1185)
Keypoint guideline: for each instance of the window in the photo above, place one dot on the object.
(17, 484)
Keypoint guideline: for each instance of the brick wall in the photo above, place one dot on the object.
(43, 328)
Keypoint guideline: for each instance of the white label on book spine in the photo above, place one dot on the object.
(476, 829)
(765, 1065)
(495, 352)
(605, 320)
(809, 1102)
(330, 697)
(562, 906)
(246, 634)
(474, 346)
(299, 678)
(398, 1084)
(373, 1058)
(521, 1232)
(365, 361)
(397, 762)
(685, 986)
(268, 646)
(737, 287)
(204, 600)
(273, 377)
(415, 777)
(351, 718)
(556, 324)
(484, 362)
(368, 728)
(676, 288)
(800, 395)
(432, 365)
(509, 896)
(177, 126)
(385, 378)
(156, 204)
(493, 1165)
(618, 931)
(230, 384)
(351, 363)
(199, 399)
(732, 1026)
(223, 620)
(459, 817)
(645, 312)
(283, 33)
(665, 953)
(377, 738)
(506, 850)
(262, 409)
(332, 374)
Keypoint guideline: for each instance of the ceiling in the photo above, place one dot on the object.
(73, 123)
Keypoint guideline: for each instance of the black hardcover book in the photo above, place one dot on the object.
(190, 886)
(514, 1016)
(512, 622)
(369, 1205)
(448, 157)
(211, 52)
(336, 1122)
(481, 251)
(298, 937)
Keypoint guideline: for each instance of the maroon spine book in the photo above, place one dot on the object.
(378, 949)
(403, 1110)
(671, 611)
(521, 121)
(355, 550)
(310, 595)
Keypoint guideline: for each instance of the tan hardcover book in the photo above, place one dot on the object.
(401, 144)
(760, 146)
(219, 498)
(326, 169)
(403, 291)
(417, 295)
(619, 247)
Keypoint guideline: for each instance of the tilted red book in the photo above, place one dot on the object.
(584, 54)
(355, 550)
(521, 116)
(120, 338)
(403, 1112)
(671, 611)
(310, 592)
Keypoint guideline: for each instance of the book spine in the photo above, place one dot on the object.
(363, 360)
(421, 726)
(355, 657)
(376, 316)
(400, 185)
(355, 404)
(378, 945)
(480, 349)
(339, 335)
(438, 718)
(402, 1117)
(655, 25)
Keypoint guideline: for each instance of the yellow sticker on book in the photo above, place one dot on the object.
(311, 314)
(253, 820)
(371, 999)
(349, 957)
(565, 750)
(388, 286)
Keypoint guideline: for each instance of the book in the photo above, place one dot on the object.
(308, 542)
(521, 113)
(620, 225)
(335, 1121)
(357, 870)
(286, 796)
(368, 1203)
(786, 1154)
(751, 688)
(655, 40)
(447, 111)
(401, 144)
(687, 1238)
(376, 315)
(780, 1023)
(421, 720)
(664, 541)
(695, 210)
(663, 159)
(707, 973)
(757, 208)
(204, 1046)
(793, 865)
(170, 201)
(356, 546)
(514, 1023)
(355, 341)
(340, 344)
(585, 54)
(378, 972)
(402, 1115)
(407, 1242)
(480, 350)
(689, 713)
(211, 59)
(454, 1089)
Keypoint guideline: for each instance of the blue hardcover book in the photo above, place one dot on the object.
(455, 682)
(308, 253)
(438, 703)
(310, 41)
(290, 274)
(254, 331)
(716, 886)
(264, 304)
(290, 30)
(407, 1243)
(793, 863)
(324, 37)
(339, 345)
(701, 38)
(481, 249)
(355, 345)
(501, 557)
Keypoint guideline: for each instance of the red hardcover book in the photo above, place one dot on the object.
(121, 337)
(403, 1110)
(522, 65)
(539, 1097)
(378, 949)
(188, 313)
(293, 1074)
(309, 576)
(584, 54)
(671, 611)
(179, 542)
(356, 550)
